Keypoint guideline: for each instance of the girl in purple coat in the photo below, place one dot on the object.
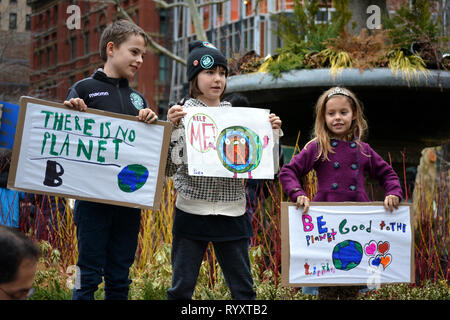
(340, 159)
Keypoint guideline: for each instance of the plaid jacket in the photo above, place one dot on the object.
(212, 189)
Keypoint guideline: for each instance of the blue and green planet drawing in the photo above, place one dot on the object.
(132, 177)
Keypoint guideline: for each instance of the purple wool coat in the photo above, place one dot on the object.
(341, 178)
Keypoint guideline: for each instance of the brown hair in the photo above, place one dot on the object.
(321, 134)
(194, 90)
(118, 32)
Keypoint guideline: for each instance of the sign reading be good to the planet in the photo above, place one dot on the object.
(95, 155)
(346, 244)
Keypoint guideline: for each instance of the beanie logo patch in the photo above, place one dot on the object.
(206, 61)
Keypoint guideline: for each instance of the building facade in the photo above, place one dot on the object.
(65, 46)
(15, 23)
(238, 26)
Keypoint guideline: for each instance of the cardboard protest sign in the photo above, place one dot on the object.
(346, 243)
(229, 142)
(95, 155)
(9, 114)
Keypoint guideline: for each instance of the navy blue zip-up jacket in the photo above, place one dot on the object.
(108, 94)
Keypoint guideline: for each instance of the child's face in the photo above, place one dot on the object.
(211, 83)
(124, 60)
(339, 116)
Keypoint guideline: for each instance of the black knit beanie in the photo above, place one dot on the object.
(203, 55)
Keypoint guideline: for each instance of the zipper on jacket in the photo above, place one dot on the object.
(122, 107)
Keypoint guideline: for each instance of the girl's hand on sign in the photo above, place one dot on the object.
(175, 114)
(391, 202)
(76, 103)
(302, 201)
(147, 115)
(275, 121)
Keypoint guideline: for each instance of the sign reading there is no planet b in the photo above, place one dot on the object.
(95, 155)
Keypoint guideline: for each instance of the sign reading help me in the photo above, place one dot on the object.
(346, 244)
(229, 142)
(95, 155)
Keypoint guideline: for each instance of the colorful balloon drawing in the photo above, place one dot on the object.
(377, 253)
(239, 149)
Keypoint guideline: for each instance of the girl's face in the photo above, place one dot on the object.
(339, 116)
(211, 83)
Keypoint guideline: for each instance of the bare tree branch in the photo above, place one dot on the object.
(210, 3)
(198, 25)
(166, 5)
(151, 43)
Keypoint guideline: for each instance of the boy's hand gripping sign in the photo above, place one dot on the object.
(346, 244)
(95, 155)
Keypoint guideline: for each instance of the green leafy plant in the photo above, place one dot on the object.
(302, 37)
(415, 31)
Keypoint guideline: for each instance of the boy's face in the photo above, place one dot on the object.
(124, 60)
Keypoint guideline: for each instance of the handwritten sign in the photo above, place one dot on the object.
(95, 155)
(9, 114)
(346, 244)
(229, 142)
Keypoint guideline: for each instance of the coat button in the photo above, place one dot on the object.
(352, 187)
(354, 166)
(353, 145)
(334, 186)
(334, 143)
(336, 165)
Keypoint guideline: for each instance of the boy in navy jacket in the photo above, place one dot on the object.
(107, 235)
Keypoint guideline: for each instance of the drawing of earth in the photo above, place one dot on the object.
(132, 177)
(347, 255)
(239, 149)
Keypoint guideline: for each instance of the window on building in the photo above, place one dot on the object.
(248, 33)
(163, 68)
(73, 47)
(248, 7)
(163, 21)
(324, 15)
(206, 17)
(13, 1)
(219, 12)
(13, 21)
(28, 22)
(48, 58)
(87, 39)
(55, 55)
(235, 9)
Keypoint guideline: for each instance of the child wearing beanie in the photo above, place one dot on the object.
(208, 209)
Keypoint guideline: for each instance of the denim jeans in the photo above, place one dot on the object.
(107, 238)
(187, 257)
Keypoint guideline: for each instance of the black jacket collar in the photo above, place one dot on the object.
(101, 76)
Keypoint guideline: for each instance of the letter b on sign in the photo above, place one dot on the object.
(53, 174)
